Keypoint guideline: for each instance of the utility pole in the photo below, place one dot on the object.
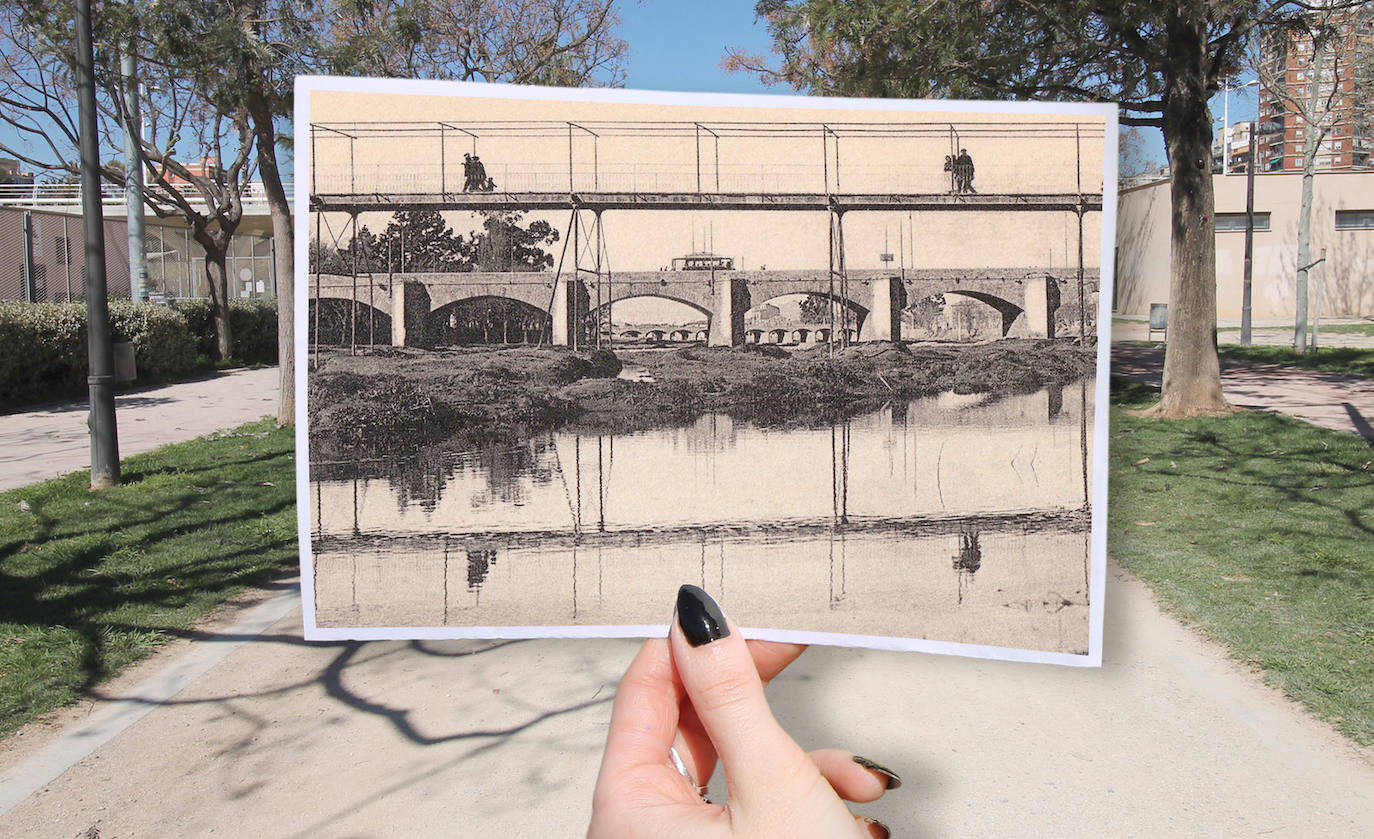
(104, 440)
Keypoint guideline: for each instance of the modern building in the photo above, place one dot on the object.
(1289, 58)
(12, 172)
(42, 258)
(1232, 143)
(1342, 226)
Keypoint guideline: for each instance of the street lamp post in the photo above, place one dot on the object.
(1226, 121)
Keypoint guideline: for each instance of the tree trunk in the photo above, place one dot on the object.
(1312, 137)
(283, 237)
(1192, 372)
(217, 277)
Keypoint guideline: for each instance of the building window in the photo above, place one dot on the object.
(1354, 219)
(1231, 222)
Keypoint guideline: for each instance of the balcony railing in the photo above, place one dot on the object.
(68, 196)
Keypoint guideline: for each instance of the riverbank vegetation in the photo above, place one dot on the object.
(1255, 528)
(371, 400)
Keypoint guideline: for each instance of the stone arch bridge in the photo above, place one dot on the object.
(1026, 298)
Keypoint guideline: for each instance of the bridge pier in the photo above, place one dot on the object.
(1042, 299)
(570, 300)
(884, 321)
(727, 322)
(409, 310)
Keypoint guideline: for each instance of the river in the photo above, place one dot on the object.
(957, 518)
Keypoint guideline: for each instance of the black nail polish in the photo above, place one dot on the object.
(699, 616)
(887, 831)
(893, 779)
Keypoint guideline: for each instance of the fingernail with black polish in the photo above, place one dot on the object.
(893, 779)
(700, 618)
(887, 831)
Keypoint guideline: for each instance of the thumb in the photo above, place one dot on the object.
(762, 763)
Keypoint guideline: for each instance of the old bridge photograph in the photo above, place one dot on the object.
(836, 361)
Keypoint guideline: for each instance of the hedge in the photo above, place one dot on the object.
(253, 324)
(44, 350)
(45, 343)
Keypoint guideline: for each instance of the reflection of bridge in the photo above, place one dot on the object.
(598, 167)
(414, 308)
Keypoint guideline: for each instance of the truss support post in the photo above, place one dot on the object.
(1082, 297)
(839, 276)
(353, 303)
(599, 245)
(570, 296)
(319, 268)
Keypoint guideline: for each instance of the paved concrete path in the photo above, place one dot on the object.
(1267, 332)
(54, 440)
(281, 738)
(1342, 403)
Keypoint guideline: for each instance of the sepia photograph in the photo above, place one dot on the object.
(837, 361)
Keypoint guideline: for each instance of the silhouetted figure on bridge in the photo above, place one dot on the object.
(963, 169)
(960, 169)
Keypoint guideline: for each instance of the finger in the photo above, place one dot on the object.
(644, 717)
(873, 828)
(854, 778)
(761, 762)
(770, 658)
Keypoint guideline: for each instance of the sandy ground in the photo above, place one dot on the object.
(284, 738)
(53, 439)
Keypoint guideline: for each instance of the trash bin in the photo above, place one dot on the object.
(124, 367)
(1159, 320)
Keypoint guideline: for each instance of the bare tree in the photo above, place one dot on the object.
(36, 91)
(554, 42)
(1313, 44)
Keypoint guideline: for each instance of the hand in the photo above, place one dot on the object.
(699, 693)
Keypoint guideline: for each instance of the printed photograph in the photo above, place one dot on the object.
(838, 362)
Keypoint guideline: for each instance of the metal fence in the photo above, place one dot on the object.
(42, 259)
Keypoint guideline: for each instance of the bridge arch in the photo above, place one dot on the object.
(763, 331)
(343, 321)
(1007, 309)
(697, 307)
(487, 319)
(657, 331)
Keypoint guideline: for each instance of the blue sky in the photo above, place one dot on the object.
(678, 44)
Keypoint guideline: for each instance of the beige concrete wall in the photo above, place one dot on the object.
(1347, 276)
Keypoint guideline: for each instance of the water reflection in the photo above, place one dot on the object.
(947, 456)
(837, 581)
(575, 527)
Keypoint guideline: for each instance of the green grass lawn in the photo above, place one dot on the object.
(1258, 529)
(91, 581)
(1347, 361)
(1366, 329)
